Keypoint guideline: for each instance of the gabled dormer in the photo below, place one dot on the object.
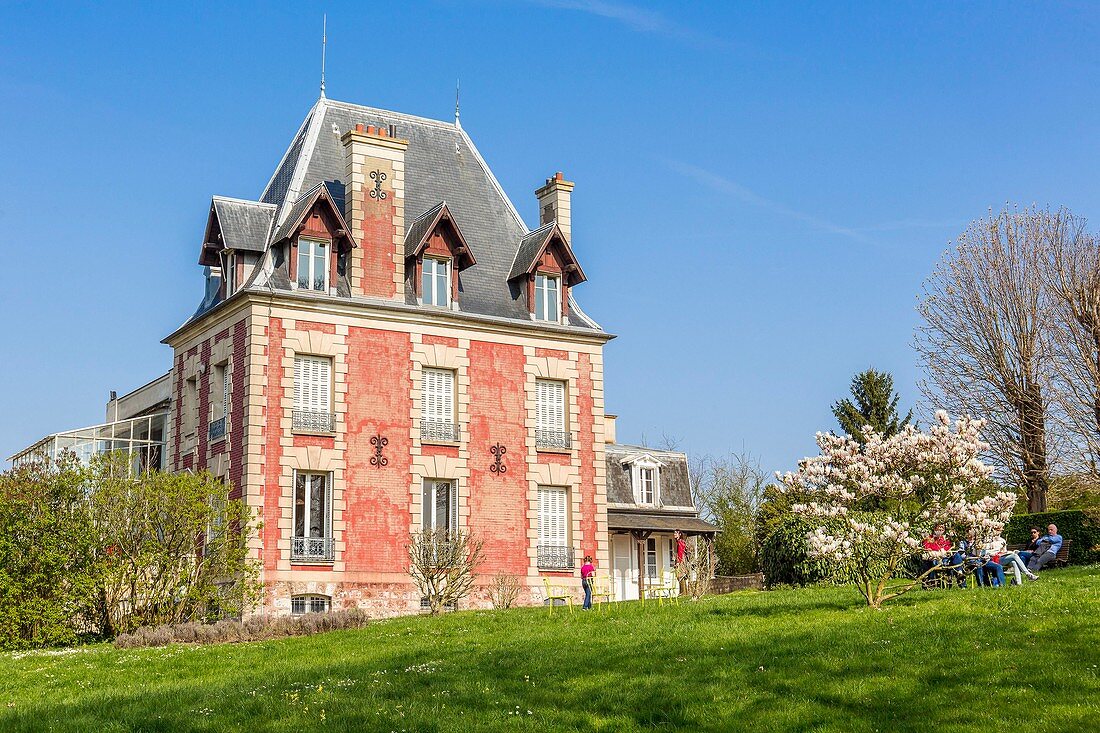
(435, 254)
(236, 237)
(546, 266)
(312, 246)
(645, 478)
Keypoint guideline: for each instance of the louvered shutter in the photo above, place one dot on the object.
(454, 506)
(312, 383)
(551, 405)
(225, 390)
(437, 398)
(553, 513)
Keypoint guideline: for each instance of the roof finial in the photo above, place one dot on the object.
(324, 42)
(458, 123)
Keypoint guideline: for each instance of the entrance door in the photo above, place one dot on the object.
(626, 571)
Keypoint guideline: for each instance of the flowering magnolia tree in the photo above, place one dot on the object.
(874, 503)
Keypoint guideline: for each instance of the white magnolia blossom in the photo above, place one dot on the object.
(880, 499)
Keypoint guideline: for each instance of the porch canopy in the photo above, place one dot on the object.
(657, 522)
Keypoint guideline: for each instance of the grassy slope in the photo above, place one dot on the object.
(977, 660)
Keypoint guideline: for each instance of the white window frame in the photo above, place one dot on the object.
(639, 469)
(550, 415)
(433, 298)
(326, 522)
(553, 516)
(542, 282)
(311, 260)
(229, 272)
(437, 404)
(312, 383)
(651, 552)
(429, 510)
(310, 599)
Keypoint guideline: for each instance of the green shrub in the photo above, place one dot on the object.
(1073, 525)
(783, 556)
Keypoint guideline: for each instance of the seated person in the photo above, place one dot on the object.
(1047, 549)
(1013, 559)
(1033, 543)
(937, 555)
(990, 572)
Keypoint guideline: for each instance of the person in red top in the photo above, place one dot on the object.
(588, 572)
(681, 546)
(937, 554)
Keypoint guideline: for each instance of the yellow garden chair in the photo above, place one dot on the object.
(557, 593)
(601, 590)
(667, 588)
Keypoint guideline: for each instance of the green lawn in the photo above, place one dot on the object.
(805, 660)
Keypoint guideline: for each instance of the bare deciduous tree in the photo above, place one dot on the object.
(984, 341)
(1071, 273)
(443, 566)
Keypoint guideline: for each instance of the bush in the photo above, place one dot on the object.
(784, 559)
(48, 563)
(258, 628)
(1073, 525)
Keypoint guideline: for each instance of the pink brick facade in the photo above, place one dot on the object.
(342, 286)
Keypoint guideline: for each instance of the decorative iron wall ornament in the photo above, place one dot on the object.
(377, 192)
(378, 460)
(498, 452)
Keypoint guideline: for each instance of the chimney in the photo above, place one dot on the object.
(374, 207)
(554, 202)
(609, 428)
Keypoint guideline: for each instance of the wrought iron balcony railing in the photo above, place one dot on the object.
(312, 548)
(553, 438)
(439, 430)
(314, 421)
(555, 557)
(217, 428)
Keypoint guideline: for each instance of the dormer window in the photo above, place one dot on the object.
(547, 297)
(229, 272)
(312, 265)
(435, 282)
(645, 479)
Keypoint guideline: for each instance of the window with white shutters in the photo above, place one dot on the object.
(313, 394)
(437, 406)
(550, 427)
(225, 390)
(554, 551)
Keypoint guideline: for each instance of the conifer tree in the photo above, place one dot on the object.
(876, 404)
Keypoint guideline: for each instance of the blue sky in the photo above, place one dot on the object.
(761, 188)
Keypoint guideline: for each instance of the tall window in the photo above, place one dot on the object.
(550, 428)
(547, 297)
(229, 273)
(553, 548)
(651, 558)
(312, 516)
(312, 265)
(647, 490)
(313, 393)
(190, 405)
(440, 505)
(437, 406)
(435, 284)
(219, 403)
(646, 480)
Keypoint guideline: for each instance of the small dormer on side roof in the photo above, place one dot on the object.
(648, 478)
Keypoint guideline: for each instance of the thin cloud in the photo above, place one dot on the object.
(739, 192)
(637, 19)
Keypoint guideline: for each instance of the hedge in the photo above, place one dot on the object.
(783, 556)
(1073, 524)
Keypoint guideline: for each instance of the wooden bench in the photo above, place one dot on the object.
(1061, 560)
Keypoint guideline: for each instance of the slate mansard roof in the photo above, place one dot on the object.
(441, 165)
(676, 510)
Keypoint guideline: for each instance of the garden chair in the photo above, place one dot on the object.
(667, 588)
(557, 593)
(601, 590)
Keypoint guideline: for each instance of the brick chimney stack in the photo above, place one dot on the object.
(374, 207)
(554, 202)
